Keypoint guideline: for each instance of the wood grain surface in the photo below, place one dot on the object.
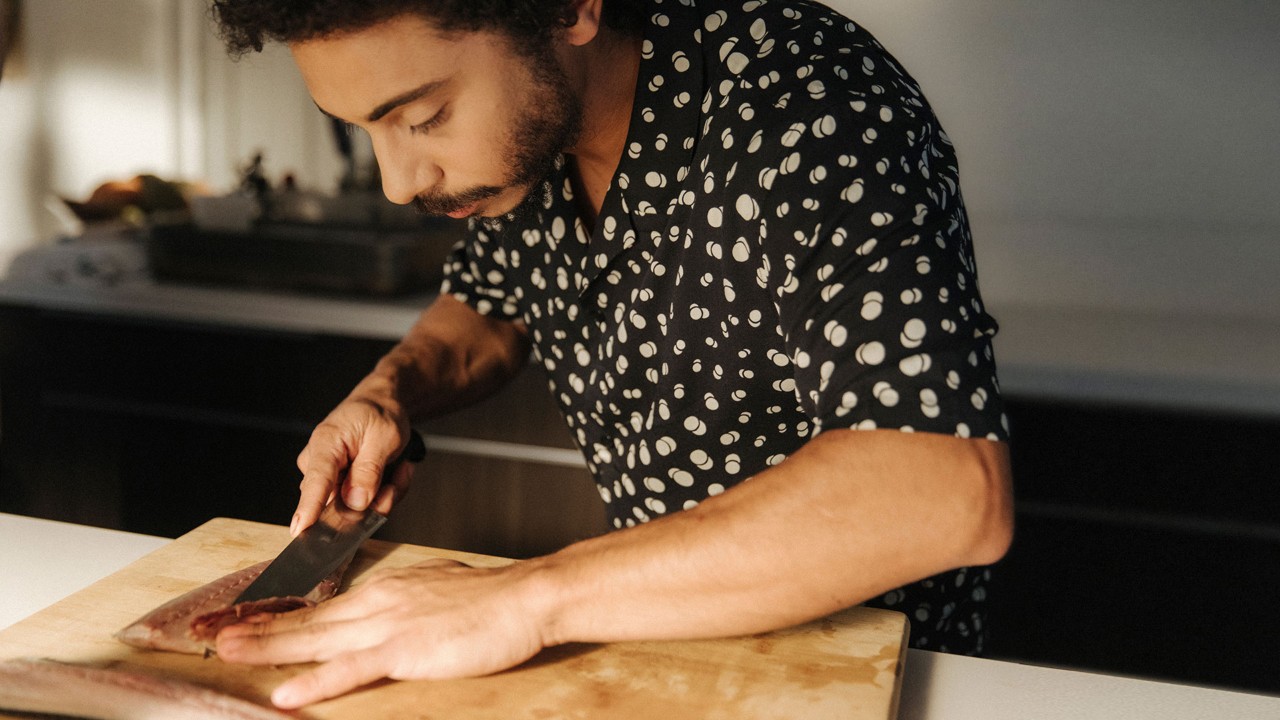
(845, 666)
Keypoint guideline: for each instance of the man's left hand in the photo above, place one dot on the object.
(438, 619)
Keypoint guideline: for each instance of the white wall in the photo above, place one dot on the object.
(113, 88)
(259, 103)
(82, 105)
(1114, 153)
(1119, 154)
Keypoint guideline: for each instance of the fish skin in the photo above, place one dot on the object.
(115, 693)
(189, 622)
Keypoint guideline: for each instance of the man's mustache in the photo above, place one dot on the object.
(443, 204)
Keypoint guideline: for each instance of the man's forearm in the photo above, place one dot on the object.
(845, 519)
(450, 358)
(849, 516)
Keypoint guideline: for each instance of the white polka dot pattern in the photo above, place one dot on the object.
(783, 250)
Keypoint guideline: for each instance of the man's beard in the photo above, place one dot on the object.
(551, 122)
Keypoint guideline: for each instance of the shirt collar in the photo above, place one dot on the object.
(666, 116)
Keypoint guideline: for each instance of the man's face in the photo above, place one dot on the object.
(461, 124)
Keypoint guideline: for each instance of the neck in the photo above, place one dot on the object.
(604, 72)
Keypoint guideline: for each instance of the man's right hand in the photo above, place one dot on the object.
(451, 357)
(348, 452)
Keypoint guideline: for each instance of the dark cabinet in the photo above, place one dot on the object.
(156, 426)
(513, 505)
(1147, 544)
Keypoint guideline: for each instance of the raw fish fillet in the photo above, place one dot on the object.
(189, 623)
(59, 689)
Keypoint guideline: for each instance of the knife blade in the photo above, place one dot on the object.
(327, 544)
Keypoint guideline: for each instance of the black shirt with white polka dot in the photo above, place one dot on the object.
(783, 250)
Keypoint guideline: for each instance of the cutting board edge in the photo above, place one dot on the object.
(895, 699)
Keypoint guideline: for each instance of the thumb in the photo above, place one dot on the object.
(363, 482)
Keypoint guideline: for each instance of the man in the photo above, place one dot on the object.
(732, 235)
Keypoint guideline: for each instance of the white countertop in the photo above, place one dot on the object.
(44, 561)
(384, 319)
(1200, 362)
(1205, 363)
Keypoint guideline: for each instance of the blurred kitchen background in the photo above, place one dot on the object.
(1120, 161)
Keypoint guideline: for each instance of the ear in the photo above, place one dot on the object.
(582, 21)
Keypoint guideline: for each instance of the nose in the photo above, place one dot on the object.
(406, 173)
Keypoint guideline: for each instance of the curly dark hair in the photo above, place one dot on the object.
(246, 25)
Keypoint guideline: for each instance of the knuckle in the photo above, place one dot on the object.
(376, 586)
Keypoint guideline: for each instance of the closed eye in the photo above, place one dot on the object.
(431, 122)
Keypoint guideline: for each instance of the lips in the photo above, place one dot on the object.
(463, 212)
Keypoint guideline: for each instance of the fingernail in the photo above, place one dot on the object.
(293, 525)
(358, 498)
(284, 697)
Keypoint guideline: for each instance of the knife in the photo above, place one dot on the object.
(327, 544)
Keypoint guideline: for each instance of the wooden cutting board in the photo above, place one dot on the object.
(847, 666)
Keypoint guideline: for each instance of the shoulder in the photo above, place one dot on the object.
(784, 77)
(799, 55)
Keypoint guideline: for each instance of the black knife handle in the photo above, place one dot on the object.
(416, 450)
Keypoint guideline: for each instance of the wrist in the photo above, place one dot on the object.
(550, 597)
(383, 389)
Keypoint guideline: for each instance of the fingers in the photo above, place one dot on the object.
(349, 453)
(436, 619)
(284, 641)
(360, 602)
(362, 483)
(342, 674)
(346, 639)
(397, 486)
(395, 489)
(366, 475)
(339, 609)
(320, 477)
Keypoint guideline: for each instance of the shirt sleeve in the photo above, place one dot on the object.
(871, 266)
(476, 273)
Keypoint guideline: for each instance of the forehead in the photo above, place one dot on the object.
(350, 73)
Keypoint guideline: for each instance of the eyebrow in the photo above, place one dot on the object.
(402, 99)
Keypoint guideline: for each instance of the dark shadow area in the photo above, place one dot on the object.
(1148, 544)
